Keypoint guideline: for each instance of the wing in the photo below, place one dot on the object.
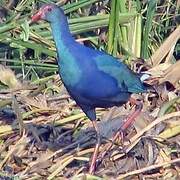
(120, 72)
(103, 78)
(111, 67)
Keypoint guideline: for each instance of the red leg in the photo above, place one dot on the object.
(127, 123)
(132, 116)
(96, 150)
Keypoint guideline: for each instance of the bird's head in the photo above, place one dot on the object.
(48, 12)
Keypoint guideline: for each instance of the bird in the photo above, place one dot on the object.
(93, 78)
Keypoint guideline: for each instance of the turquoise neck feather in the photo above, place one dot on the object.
(69, 69)
(61, 34)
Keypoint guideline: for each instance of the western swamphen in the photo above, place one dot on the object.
(92, 78)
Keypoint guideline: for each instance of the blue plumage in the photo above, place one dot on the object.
(93, 78)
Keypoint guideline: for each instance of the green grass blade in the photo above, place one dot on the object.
(112, 24)
(148, 27)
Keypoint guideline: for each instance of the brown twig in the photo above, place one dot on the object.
(148, 168)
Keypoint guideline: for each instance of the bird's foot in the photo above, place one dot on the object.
(119, 136)
(120, 133)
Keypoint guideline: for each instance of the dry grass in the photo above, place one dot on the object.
(44, 135)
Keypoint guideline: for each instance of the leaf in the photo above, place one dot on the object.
(167, 105)
(112, 22)
(147, 28)
(172, 75)
(165, 48)
(37, 102)
(8, 77)
(158, 70)
(25, 33)
(170, 132)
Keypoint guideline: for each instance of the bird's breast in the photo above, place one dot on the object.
(69, 70)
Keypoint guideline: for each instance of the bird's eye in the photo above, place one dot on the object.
(49, 9)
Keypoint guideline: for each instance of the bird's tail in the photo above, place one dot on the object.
(144, 77)
(148, 80)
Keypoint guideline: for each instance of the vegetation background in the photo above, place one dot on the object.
(44, 135)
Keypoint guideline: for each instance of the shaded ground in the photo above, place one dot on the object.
(56, 139)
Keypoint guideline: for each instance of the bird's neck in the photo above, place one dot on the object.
(62, 36)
